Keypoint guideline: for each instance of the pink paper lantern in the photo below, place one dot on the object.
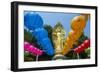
(31, 49)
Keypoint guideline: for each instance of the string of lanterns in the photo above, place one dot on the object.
(32, 49)
(83, 46)
(34, 23)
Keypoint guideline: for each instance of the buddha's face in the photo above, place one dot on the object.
(58, 30)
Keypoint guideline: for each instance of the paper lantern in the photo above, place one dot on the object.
(83, 46)
(78, 23)
(31, 49)
(65, 49)
(68, 45)
(87, 43)
(69, 42)
(34, 22)
(74, 35)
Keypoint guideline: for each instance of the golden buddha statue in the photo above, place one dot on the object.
(58, 37)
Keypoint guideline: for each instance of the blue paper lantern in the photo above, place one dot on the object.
(34, 22)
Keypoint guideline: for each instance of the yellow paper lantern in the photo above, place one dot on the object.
(65, 49)
(78, 23)
(68, 45)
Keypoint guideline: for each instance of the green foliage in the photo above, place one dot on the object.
(45, 57)
(49, 30)
(83, 55)
(82, 39)
(28, 37)
(71, 55)
(28, 57)
(88, 52)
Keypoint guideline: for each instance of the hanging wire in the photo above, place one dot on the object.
(77, 55)
(37, 57)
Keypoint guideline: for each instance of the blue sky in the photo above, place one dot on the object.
(52, 18)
